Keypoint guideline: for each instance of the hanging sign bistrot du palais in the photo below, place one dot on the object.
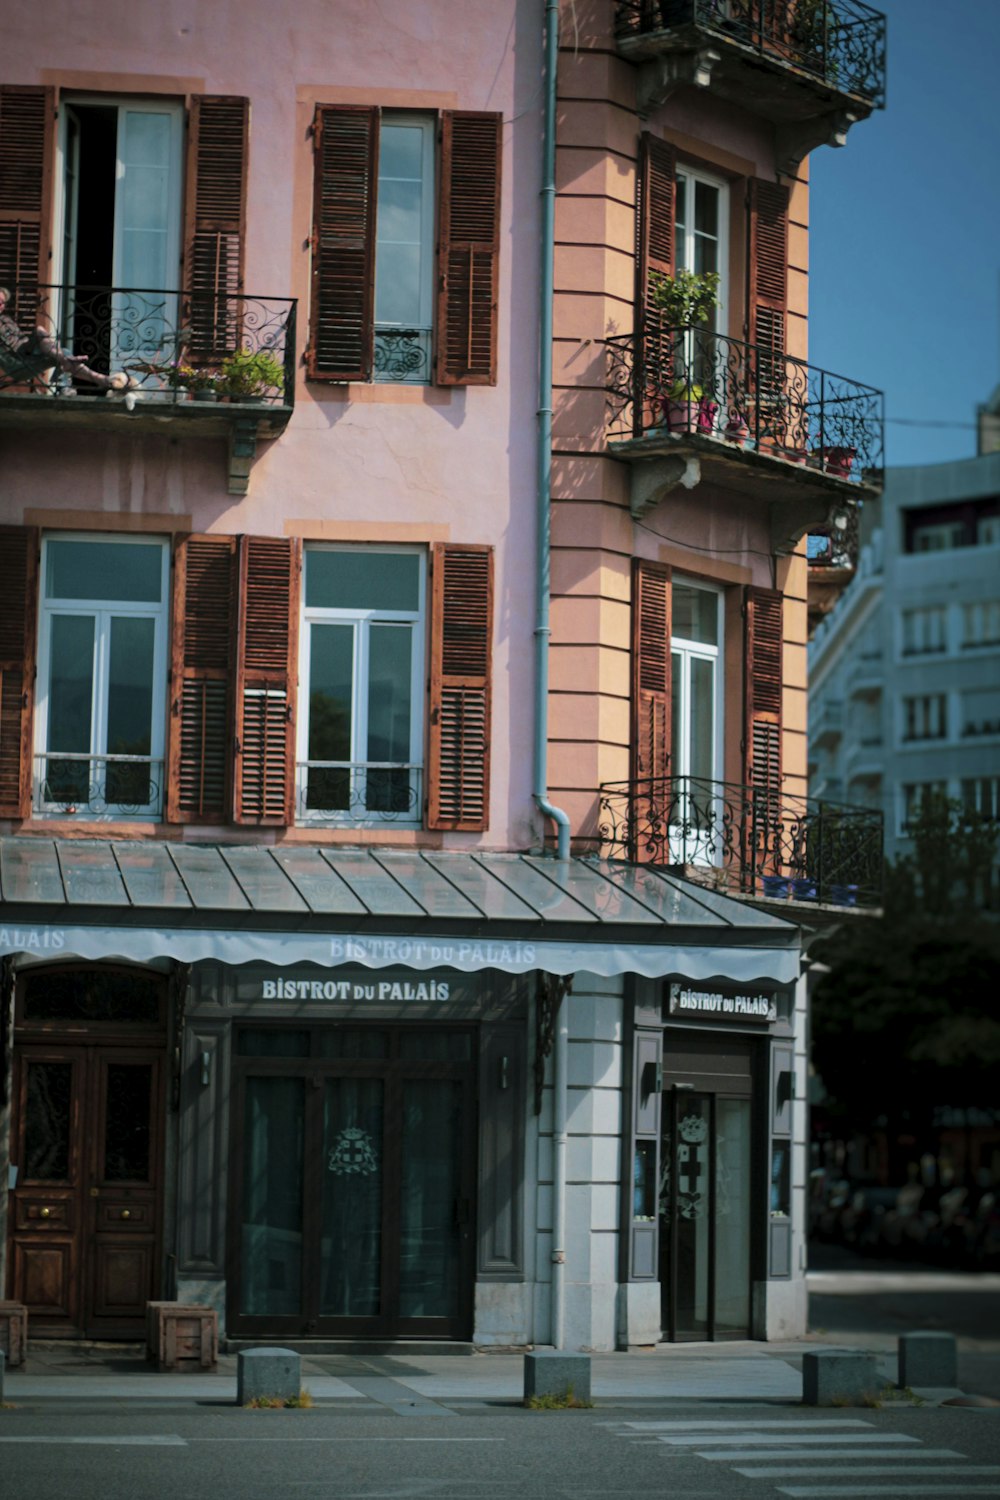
(701, 1002)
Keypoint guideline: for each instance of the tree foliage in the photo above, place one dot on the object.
(908, 1016)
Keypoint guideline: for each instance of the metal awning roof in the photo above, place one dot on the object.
(289, 904)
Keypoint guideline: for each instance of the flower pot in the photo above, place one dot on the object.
(775, 886)
(844, 895)
(707, 413)
(838, 461)
(804, 888)
(795, 455)
(736, 431)
(683, 416)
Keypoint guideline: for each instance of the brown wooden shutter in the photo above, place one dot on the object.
(458, 747)
(468, 249)
(656, 214)
(651, 684)
(199, 736)
(215, 222)
(345, 189)
(18, 629)
(768, 266)
(762, 697)
(266, 680)
(27, 146)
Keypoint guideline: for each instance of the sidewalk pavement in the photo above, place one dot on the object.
(740, 1371)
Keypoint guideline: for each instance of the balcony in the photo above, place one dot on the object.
(98, 787)
(359, 794)
(686, 404)
(812, 67)
(749, 842)
(833, 559)
(828, 725)
(185, 365)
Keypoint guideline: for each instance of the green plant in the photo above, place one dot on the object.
(685, 298)
(553, 1402)
(280, 1403)
(251, 372)
(199, 378)
(681, 391)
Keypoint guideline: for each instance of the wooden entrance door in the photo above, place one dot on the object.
(353, 1173)
(85, 1219)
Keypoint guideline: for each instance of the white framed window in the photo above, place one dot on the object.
(939, 536)
(701, 245)
(696, 636)
(925, 717)
(701, 231)
(102, 673)
(404, 249)
(361, 680)
(924, 631)
(981, 623)
(980, 712)
(981, 794)
(912, 796)
(136, 147)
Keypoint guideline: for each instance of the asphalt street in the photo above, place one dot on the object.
(497, 1451)
(867, 1303)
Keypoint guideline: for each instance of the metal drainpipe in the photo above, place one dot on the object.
(560, 1059)
(543, 549)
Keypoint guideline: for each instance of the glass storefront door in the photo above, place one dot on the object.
(354, 1180)
(705, 1214)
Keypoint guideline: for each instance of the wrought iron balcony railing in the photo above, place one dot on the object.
(692, 380)
(172, 346)
(836, 546)
(98, 786)
(359, 793)
(841, 43)
(758, 843)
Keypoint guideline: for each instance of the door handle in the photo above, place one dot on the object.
(125, 1214)
(46, 1213)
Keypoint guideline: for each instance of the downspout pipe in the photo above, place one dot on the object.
(560, 1146)
(543, 547)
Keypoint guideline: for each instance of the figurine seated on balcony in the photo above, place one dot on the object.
(27, 357)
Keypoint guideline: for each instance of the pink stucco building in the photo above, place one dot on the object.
(307, 1016)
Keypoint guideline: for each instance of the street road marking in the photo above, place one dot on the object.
(769, 1439)
(740, 1425)
(801, 1471)
(279, 1439)
(779, 1455)
(842, 1491)
(167, 1441)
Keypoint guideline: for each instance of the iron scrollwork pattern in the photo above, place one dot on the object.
(549, 995)
(694, 381)
(749, 840)
(842, 43)
(173, 345)
(402, 354)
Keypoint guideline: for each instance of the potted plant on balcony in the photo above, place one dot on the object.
(684, 301)
(250, 375)
(837, 459)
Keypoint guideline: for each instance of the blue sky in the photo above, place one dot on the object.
(905, 232)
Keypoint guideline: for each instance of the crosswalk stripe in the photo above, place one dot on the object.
(781, 1471)
(807, 1455)
(843, 1491)
(748, 1439)
(740, 1425)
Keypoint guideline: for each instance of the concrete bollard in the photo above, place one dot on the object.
(551, 1372)
(268, 1374)
(833, 1377)
(927, 1359)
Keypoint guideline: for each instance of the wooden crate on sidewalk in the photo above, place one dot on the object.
(181, 1337)
(14, 1332)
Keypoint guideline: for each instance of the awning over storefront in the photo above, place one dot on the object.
(330, 906)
